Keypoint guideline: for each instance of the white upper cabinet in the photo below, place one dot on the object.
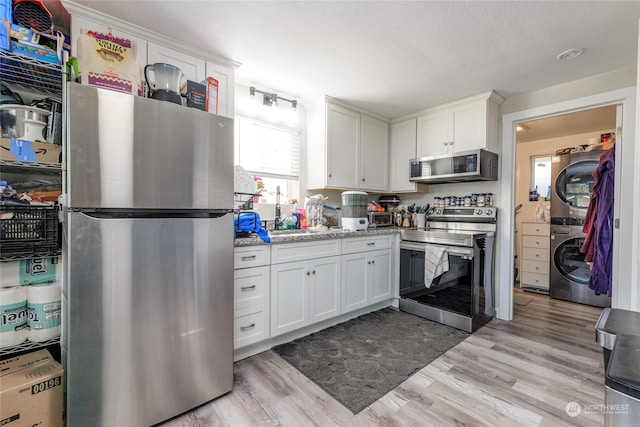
(154, 47)
(193, 68)
(402, 148)
(467, 124)
(346, 149)
(342, 147)
(374, 152)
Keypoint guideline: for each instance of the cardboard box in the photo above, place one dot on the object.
(29, 151)
(35, 51)
(31, 391)
(211, 85)
(196, 95)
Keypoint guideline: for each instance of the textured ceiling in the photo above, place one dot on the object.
(395, 57)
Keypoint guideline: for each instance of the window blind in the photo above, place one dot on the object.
(267, 149)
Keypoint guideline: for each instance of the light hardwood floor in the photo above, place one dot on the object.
(522, 372)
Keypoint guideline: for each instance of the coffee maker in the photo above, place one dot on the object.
(166, 82)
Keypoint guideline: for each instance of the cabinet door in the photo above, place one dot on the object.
(354, 281)
(226, 84)
(343, 136)
(374, 150)
(433, 134)
(402, 148)
(469, 127)
(379, 277)
(324, 289)
(289, 297)
(192, 67)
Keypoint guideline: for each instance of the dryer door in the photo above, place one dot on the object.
(573, 181)
(570, 262)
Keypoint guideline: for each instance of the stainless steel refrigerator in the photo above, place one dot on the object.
(148, 257)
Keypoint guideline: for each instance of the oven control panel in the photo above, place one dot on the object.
(483, 213)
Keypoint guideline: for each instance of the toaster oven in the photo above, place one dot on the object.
(380, 219)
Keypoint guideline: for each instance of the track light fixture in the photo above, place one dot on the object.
(271, 99)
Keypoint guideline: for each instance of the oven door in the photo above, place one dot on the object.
(457, 290)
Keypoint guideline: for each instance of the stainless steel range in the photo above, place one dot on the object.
(446, 271)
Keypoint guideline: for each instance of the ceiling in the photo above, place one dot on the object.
(594, 120)
(394, 58)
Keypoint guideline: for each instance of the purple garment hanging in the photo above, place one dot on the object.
(600, 280)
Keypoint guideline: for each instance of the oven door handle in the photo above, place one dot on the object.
(467, 253)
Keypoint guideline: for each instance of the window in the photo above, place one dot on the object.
(272, 153)
(541, 175)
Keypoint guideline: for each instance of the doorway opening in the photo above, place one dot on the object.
(624, 101)
(538, 142)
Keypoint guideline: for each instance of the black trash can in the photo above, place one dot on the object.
(618, 331)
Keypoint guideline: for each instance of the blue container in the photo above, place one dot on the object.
(7, 15)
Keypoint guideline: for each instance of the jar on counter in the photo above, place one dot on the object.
(488, 200)
(474, 199)
(467, 201)
(481, 200)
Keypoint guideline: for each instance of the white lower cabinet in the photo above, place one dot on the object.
(304, 292)
(535, 256)
(367, 273)
(250, 296)
(366, 279)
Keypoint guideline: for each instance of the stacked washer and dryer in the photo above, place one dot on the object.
(573, 182)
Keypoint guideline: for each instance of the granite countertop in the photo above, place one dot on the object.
(288, 236)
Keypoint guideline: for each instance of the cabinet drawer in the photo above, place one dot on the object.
(536, 242)
(250, 328)
(366, 244)
(538, 267)
(304, 250)
(535, 254)
(533, 279)
(536, 228)
(251, 256)
(250, 286)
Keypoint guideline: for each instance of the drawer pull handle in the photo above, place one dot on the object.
(371, 244)
(244, 328)
(314, 272)
(248, 257)
(247, 288)
(308, 273)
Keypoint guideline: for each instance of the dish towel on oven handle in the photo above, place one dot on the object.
(436, 263)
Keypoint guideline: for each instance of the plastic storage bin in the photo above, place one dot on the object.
(31, 230)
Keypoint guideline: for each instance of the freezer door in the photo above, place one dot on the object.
(126, 151)
(149, 327)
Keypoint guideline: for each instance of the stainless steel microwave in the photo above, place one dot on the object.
(474, 165)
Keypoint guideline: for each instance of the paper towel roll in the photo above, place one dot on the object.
(44, 312)
(13, 316)
(29, 271)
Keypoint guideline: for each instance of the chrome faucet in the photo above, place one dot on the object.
(276, 222)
